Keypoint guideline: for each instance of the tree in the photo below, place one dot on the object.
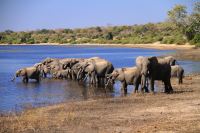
(193, 26)
(109, 36)
(178, 15)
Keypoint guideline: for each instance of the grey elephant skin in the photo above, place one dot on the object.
(167, 60)
(28, 73)
(53, 65)
(96, 68)
(177, 71)
(62, 74)
(151, 68)
(127, 76)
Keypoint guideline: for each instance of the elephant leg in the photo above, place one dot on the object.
(152, 84)
(38, 79)
(136, 87)
(136, 84)
(124, 87)
(170, 86)
(72, 75)
(25, 79)
(166, 87)
(147, 86)
(180, 79)
(96, 79)
(142, 82)
(44, 74)
(93, 79)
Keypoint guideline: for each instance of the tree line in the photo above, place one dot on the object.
(181, 27)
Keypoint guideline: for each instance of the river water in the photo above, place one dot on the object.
(16, 96)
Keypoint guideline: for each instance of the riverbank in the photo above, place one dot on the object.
(183, 52)
(177, 112)
(149, 46)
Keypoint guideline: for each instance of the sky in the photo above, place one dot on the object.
(24, 15)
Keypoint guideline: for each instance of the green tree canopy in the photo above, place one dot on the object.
(178, 15)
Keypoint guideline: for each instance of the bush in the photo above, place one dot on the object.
(196, 40)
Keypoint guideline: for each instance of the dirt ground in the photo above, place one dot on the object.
(177, 112)
(160, 112)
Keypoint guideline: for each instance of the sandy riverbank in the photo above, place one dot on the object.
(183, 52)
(151, 46)
(178, 112)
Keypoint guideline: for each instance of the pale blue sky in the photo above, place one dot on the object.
(21, 15)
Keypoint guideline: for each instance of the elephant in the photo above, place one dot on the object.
(167, 60)
(162, 60)
(177, 71)
(154, 70)
(62, 74)
(70, 62)
(28, 73)
(127, 76)
(95, 68)
(66, 62)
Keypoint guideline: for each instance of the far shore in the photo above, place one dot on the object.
(183, 52)
(149, 46)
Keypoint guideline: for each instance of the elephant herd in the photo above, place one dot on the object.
(100, 72)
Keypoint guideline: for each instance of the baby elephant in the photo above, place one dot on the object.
(177, 71)
(28, 73)
(62, 74)
(127, 76)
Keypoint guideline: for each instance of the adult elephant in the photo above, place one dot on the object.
(28, 73)
(62, 74)
(177, 71)
(66, 62)
(154, 70)
(127, 76)
(51, 65)
(96, 68)
(167, 60)
(70, 62)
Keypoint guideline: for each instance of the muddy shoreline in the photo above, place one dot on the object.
(177, 112)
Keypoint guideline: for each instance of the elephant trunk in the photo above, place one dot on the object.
(13, 79)
(86, 77)
(143, 81)
(79, 72)
(106, 85)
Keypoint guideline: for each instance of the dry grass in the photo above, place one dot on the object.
(192, 54)
(178, 112)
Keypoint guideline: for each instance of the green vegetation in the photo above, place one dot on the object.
(180, 28)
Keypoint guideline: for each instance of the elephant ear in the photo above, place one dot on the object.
(86, 64)
(22, 72)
